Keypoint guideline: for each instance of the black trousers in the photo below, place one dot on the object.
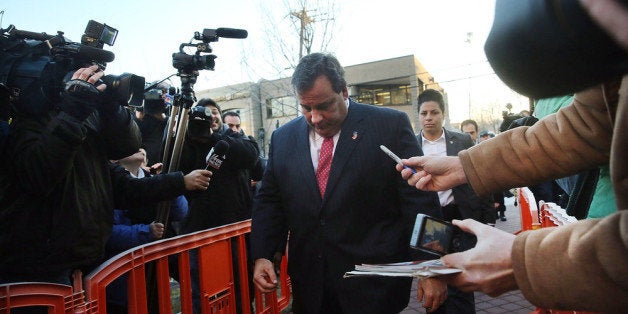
(457, 301)
(450, 212)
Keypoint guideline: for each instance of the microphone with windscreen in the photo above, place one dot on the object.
(216, 156)
(231, 33)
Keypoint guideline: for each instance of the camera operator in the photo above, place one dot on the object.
(152, 120)
(228, 198)
(57, 196)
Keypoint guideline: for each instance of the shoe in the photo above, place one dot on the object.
(502, 217)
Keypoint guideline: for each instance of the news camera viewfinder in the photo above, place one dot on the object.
(96, 34)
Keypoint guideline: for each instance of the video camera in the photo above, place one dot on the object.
(188, 63)
(551, 48)
(158, 97)
(35, 66)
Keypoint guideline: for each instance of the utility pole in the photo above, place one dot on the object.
(468, 41)
(304, 37)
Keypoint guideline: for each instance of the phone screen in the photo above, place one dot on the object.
(436, 236)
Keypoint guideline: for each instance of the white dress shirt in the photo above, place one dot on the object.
(438, 148)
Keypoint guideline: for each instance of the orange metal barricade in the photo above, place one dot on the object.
(217, 278)
(529, 210)
(58, 298)
(546, 217)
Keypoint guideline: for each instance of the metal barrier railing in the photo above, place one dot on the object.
(217, 273)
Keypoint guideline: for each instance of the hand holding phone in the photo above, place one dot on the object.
(439, 237)
(395, 157)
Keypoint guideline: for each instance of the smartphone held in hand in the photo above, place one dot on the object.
(439, 237)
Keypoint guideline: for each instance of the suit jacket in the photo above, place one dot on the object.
(469, 204)
(365, 216)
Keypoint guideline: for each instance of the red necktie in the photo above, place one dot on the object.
(324, 163)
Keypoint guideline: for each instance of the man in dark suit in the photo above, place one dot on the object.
(363, 214)
(460, 202)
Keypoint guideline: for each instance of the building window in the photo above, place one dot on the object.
(421, 85)
(281, 106)
(385, 95)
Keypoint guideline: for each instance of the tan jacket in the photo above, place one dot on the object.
(583, 266)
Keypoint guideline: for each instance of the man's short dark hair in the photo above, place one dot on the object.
(230, 113)
(314, 65)
(469, 121)
(432, 95)
(208, 102)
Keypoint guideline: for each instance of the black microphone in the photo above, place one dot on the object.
(29, 35)
(85, 52)
(216, 156)
(231, 33)
(96, 54)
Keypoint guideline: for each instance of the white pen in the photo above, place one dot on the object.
(395, 157)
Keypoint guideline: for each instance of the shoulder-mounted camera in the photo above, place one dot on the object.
(33, 67)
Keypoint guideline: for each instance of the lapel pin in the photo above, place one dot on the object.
(355, 135)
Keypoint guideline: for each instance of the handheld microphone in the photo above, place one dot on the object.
(216, 156)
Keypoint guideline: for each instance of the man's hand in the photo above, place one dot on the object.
(80, 96)
(488, 266)
(432, 292)
(90, 75)
(157, 230)
(433, 173)
(277, 261)
(197, 180)
(155, 168)
(264, 275)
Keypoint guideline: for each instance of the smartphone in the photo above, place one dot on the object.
(395, 157)
(439, 237)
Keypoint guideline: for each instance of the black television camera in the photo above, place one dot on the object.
(188, 63)
(34, 67)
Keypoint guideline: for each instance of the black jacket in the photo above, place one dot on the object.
(56, 194)
(142, 196)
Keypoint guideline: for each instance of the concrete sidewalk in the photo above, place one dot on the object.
(511, 302)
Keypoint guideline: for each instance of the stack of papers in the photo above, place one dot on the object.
(423, 269)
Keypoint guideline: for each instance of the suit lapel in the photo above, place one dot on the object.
(451, 143)
(351, 133)
(304, 158)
